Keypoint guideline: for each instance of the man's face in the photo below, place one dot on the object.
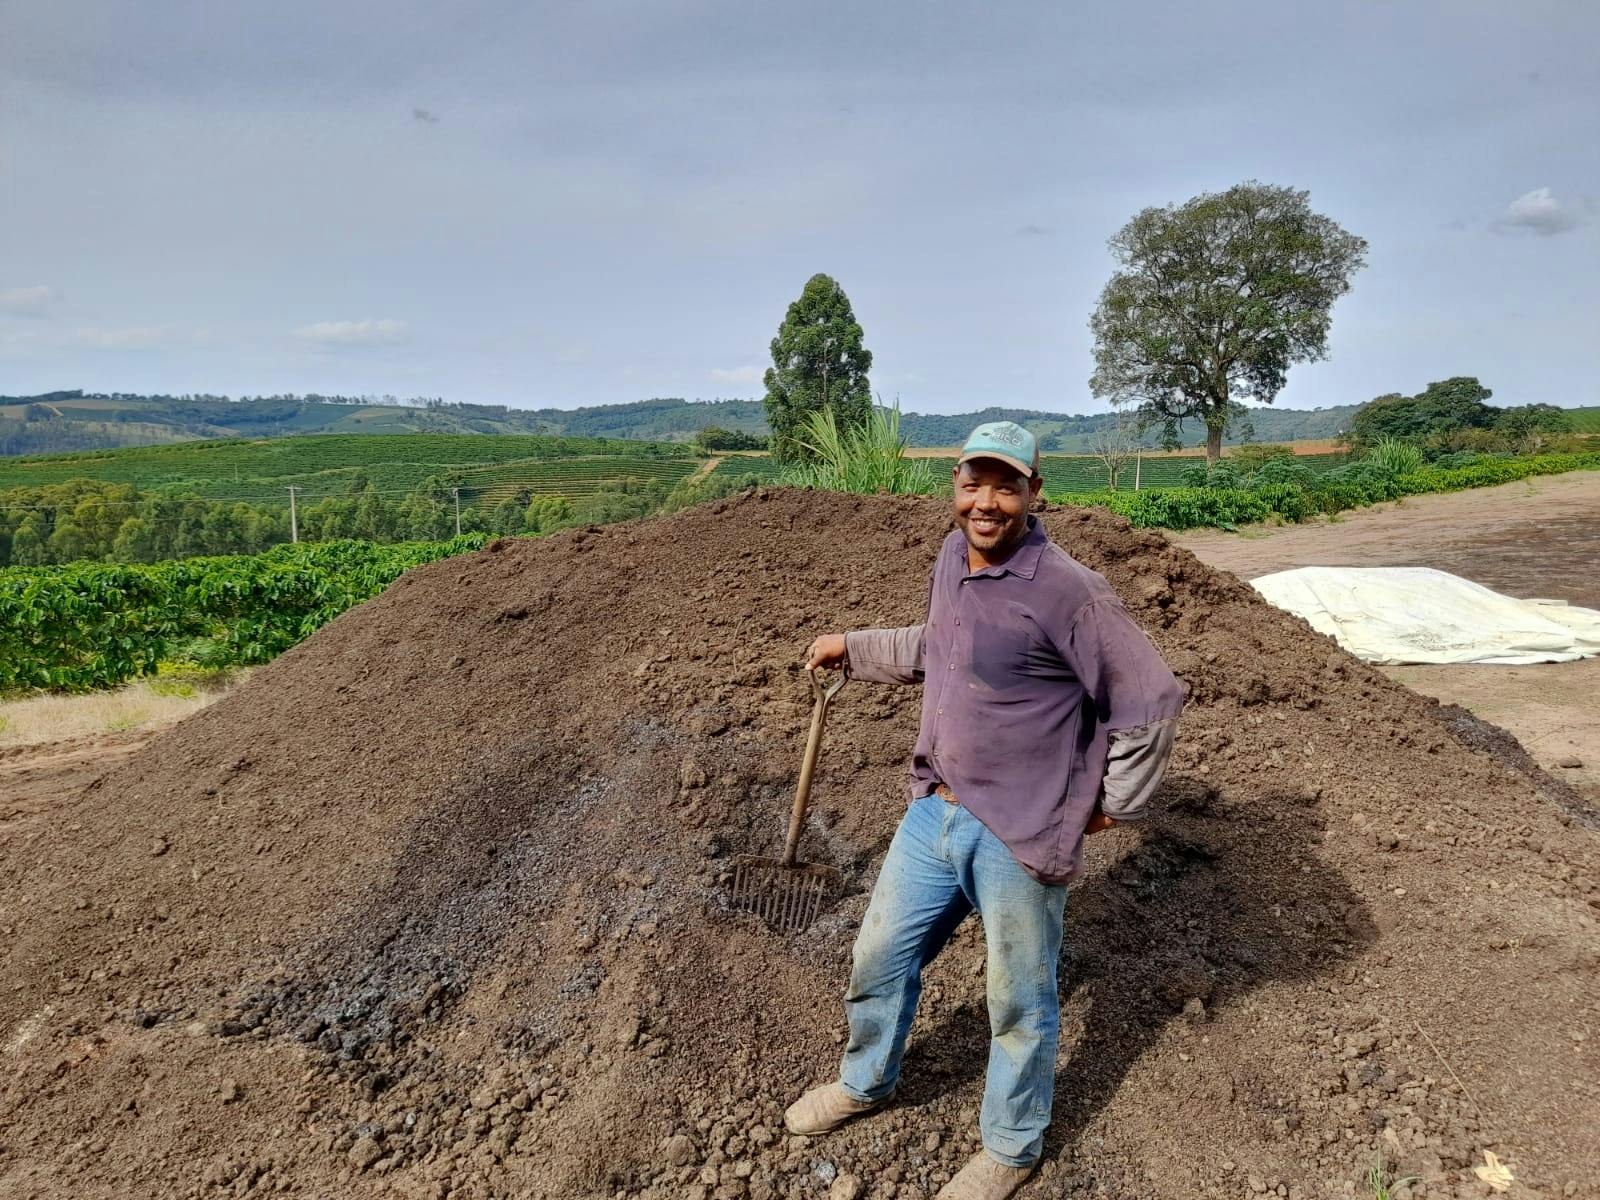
(992, 501)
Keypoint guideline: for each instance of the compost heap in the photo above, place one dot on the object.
(435, 906)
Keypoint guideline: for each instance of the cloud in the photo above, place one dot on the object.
(1540, 212)
(354, 333)
(28, 301)
(737, 374)
(424, 116)
(118, 341)
(1031, 230)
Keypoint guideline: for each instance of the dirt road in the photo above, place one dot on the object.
(1539, 537)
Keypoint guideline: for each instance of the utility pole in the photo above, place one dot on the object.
(456, 492)
(294, 521)
(1138, 461)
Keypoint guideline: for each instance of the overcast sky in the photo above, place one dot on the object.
(563, 204)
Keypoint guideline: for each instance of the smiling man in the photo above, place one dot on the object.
(1046, 714)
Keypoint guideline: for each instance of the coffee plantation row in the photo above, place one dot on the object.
(86, 626)
(325, 464)
(1276, 490)
(80, 627)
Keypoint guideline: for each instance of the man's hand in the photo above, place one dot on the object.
(826, 651)
(1098, 821)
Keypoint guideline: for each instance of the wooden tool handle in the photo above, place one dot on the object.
(802, 794)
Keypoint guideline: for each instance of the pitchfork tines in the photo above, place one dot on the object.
(785, 893)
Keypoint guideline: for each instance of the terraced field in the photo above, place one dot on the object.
(487, 469)
(322, 465)
(1585, 420)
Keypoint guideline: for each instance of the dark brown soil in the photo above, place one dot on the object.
(435, 906)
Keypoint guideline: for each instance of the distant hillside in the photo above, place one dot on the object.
(68, 421)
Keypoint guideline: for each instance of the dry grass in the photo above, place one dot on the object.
(147, 704)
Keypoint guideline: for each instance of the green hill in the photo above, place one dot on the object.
(1585, 420)
(75, 420)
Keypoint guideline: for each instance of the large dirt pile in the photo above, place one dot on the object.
(435, 906)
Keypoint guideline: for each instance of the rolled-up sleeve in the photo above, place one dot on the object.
(1136, 759)
(885, 655)
(1136, 700)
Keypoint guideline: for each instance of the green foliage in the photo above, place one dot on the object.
(1452, 416)
(1443, 407)
(325, 464)
(1395, 456)
(713, 438)
(1285, 471)
(1530, 426)
(1178, 508)
(1354, 485)
(819, 364)
(77, 628)
(1215, 299)
(1252, 457)
(869, 457)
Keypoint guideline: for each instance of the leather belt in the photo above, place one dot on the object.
(945, 794)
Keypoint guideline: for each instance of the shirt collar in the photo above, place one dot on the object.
(1024, 560)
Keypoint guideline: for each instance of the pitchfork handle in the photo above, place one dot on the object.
(802, 795)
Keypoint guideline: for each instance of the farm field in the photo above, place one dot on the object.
(1539, 537)
(327, 464)
(1585, 420)
(487, 469)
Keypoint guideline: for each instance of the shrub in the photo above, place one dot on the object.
(1222, 475)
(1353, 485)
(1249, 459)
(869, 457)
(1278, 471)
(1395, 456)
(1291, 501)
(1457, 458)
(1179, 508)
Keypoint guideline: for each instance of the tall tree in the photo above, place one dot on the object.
(1215, 299)
(818, 362)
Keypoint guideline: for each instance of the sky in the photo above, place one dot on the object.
(543, 204)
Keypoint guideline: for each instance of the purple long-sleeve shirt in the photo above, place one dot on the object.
(1030, 671)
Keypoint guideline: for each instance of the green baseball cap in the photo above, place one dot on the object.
(1007, 441)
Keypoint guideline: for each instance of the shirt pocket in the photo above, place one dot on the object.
(1009, 650)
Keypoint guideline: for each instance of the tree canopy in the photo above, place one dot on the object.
(1215, 299)
(818, 363)
(1452, 414)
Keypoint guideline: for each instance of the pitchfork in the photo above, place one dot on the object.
(788, 894)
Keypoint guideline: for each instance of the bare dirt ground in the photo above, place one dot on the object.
(35, 778)
(1539, 537)
(434, 907)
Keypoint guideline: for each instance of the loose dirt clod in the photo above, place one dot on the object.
(444, 899)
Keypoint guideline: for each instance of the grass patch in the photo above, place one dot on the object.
(147, 704)
(869, 458)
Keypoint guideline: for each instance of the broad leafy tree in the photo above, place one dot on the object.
(818, 363)
(1214, 300)
(1454, 414)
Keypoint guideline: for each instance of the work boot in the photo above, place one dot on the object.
(985, 1178)
(825, 1108)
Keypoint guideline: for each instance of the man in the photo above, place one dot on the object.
(1046, 714)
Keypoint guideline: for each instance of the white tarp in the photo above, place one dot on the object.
(1419, 615)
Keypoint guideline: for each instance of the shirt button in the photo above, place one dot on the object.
(958, 620)
(952, 666)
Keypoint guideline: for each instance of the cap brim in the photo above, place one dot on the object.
(1025, 468)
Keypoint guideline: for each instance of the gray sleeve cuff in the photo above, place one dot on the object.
(885, 655)
(1135, 762)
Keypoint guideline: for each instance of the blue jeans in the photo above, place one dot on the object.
(943, 864)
